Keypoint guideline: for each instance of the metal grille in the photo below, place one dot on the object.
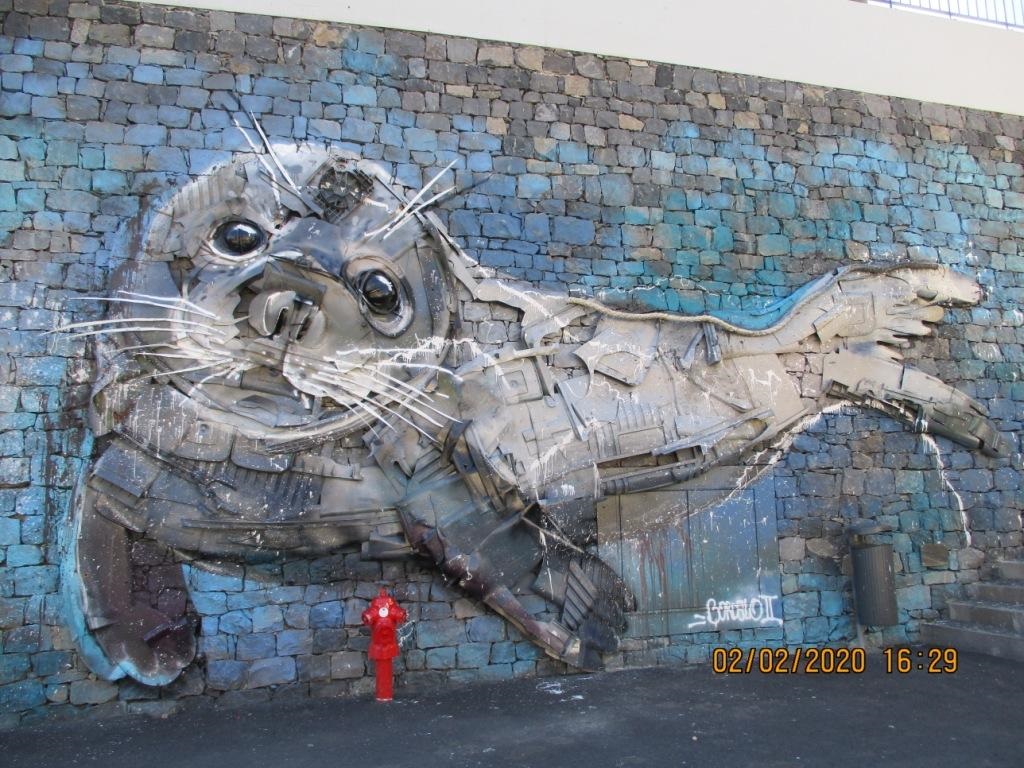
(1002, 13)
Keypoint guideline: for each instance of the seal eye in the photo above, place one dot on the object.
(379, 291)
(238, 237)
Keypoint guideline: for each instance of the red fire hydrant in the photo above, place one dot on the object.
(383, 617)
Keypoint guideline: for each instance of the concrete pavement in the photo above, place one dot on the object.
(685, 716)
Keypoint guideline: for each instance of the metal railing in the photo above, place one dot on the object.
(1001, 13)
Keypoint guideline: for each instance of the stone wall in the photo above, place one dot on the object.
(653, 185)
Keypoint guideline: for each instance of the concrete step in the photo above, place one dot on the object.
(970, 637)
(1010, 569)
(1001, 591)
(1008, 617)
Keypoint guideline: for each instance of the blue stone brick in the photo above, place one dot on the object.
(533, 185)
(473, 655)
(773, 245)
(568, 229)
(572, 152)
(500, 225)
(479, 142)
(294, 642)
(503, 653)
(353, 129)
(440, 658)
(464, 223)
(35, 580)
(485, 629)
(831, 603)
(695, 237)
(816, 630)
(327, 615)
(225, 675)
(270, 672)
(616, 189)
(235, 623)
(24, 639)
(267, 618)
(359, 95)
(261, 646)
(420, 139)
(17, 697)
(800, 605)
(443, 632)
(209, 603)
(13, 667)
(480, 162)
(10, 531)
(24, 554)
(208, 581)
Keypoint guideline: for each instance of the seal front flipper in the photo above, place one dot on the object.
(566, 601)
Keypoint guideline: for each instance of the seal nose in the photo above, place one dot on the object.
(286, 304)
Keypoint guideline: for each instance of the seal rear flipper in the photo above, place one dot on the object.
(117, 634)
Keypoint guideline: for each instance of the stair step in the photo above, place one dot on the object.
(1008, 617)
(1002, 591)
(972, 638)
(1010, 569)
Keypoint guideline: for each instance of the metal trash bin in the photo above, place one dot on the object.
(874, 578)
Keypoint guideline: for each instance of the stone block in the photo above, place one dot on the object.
(347, 665)
(21, 696)
(444, 632)
(276, 671)
(92, 692)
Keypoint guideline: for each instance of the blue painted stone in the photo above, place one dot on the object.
(440, 658)
(773, 245)
(443, 632)
(18, 697)
(359, 95)
(235, 623)
(225, 674)
(250, 647)
(722, 239)
(572, 152)
(537, 229)
(327, 615)
(464, 223)
(533, 185)
(276, 671)
(208, 581)
(695, 237)
(473, 655)
(13, 667)
(800, 605)
(35, 580)
(573, 231)
(500, 225)
(10, 531)
(420, 139)
(24, 554)
(616, 189)
(915, 598)
(816, 630)
(503, 653)
(485, 629)
(268, 618)
(24, 639)
(353, 129)
(209, 603)
(294, 642)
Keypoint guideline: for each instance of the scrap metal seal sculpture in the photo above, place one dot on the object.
(282, 373)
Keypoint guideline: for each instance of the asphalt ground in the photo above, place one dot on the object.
(685, 716)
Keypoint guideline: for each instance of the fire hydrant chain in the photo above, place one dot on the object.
(384, 617)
